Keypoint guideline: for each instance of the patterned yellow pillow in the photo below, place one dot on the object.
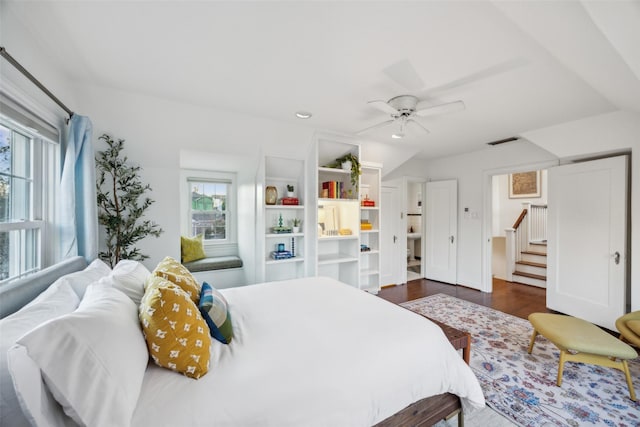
(176, 273)
(191, 248)
(176, 334)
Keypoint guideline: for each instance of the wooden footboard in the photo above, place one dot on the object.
(426, 412)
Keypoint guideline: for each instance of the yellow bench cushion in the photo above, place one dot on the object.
(571, 333)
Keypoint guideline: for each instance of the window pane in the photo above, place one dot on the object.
(18, 252)
(5, 150)
(208, 209)
(20, 190)
(21, 153)
(4, 198)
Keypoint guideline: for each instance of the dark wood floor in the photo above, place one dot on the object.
(513, 298)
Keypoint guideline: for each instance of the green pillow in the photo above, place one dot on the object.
(191, 248)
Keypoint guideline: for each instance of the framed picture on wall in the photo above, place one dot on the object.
(524, 185)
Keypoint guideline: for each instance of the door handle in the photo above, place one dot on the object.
(395, 238)
(616, 257)
(451, 238)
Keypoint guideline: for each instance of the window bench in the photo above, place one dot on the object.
(220, 271)
(214, 263)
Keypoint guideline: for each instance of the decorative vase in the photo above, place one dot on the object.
(271, 195)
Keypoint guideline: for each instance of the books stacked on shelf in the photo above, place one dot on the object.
(334, 189)
(281, 230)
(291, 201)
(281, 254)
(365, 224)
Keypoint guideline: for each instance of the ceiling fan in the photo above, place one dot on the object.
(405, 108)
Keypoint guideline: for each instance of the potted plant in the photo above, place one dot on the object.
(354, 166)
(290, 189)
(296, 222)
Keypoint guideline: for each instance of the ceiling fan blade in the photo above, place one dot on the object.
(418, 125)
(404, 74)
(485, 73)
(384, 107)
(379, 125)
(424, 110)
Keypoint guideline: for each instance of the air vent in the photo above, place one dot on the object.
(503, 141)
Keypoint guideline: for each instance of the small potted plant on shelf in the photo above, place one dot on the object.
(295, 222)
(350, 162)
(290, 189)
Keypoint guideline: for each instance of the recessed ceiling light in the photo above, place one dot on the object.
(397, 136)
(303, 114)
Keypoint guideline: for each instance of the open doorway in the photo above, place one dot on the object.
(518, 228)
(415, 238)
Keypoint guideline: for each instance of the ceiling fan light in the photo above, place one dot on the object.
(397, 136)
(303, 114)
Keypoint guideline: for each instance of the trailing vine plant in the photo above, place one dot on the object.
(122, 204)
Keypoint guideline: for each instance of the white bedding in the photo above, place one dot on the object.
(310, 352)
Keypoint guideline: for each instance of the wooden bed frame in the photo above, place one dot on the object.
(427, 412)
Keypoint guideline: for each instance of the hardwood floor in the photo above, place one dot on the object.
(513, 298)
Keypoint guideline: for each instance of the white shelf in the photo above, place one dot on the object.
(369, 272)
(328, 200)
(329, 238)
(369, 208)
(284, 206)
(334, 170)
(371, 252)
(281, 235)
(324, 259)
(271, 261)
(369, 231)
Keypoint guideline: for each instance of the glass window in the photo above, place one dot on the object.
(209, 210)
(23, 156)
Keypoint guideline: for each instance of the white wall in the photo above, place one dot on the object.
(469, 170)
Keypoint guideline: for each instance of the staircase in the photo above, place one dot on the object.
(526, 246)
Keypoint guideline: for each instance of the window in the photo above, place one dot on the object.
(208, 211)
(209, 208)
(27, 183)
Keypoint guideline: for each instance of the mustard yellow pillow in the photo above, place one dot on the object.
(191, 248)
(176, 273)
(176, 334)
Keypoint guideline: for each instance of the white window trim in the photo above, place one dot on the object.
(228, 246)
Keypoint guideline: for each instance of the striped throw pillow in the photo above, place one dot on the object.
(215, 311)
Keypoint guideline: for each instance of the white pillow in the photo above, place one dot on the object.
(129, 277)
(81, 279)
(55, 301)
(93, 360)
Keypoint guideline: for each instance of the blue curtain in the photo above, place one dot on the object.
(78, 214)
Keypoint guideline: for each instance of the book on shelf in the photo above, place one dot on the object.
(290, 201)
(334, 189)
(281, 254)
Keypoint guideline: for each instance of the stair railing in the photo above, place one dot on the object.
(537, 223)
(516, 242)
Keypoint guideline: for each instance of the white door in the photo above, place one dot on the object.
(391, 266)
(441, 230)
(586, 259)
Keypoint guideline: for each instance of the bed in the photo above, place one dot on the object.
(305, 352)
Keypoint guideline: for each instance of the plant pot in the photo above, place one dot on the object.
(296, 229)
(291, 194)
(346, 165)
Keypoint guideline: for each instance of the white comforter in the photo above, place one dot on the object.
(310, 352)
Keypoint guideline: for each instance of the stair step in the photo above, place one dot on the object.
(532, 264)
(530, 275)
(541, 243)
(534, 253)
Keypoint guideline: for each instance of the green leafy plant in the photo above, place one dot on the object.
(122, 204)
(296, 222)
(290, 187)
(356, 169)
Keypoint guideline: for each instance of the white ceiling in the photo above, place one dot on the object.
(518, 66)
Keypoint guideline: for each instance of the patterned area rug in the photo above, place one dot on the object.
(522, 387)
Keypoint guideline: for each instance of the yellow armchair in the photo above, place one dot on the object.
(629, 327)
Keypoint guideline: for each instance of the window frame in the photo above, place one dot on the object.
(44, 174)
(212, 247)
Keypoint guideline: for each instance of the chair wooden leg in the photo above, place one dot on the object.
(560, 367)
(533, 340)
(627, 374)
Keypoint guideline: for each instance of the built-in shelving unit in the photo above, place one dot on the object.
(280, 172)
(370, 185)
